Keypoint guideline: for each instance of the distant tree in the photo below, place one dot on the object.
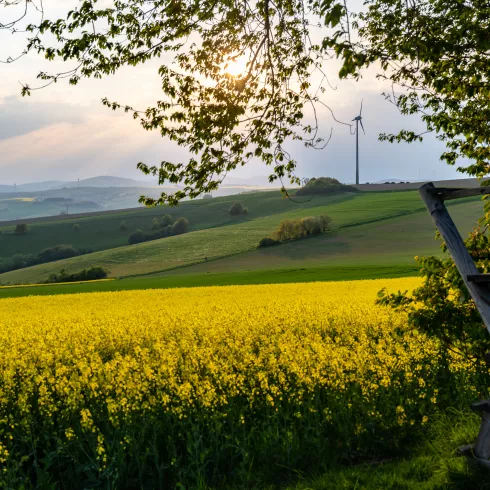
(311, 225)
(76, 227)
(137, 237)
(236, 209)
(57, 252)
(245, 211)
(324, 185)
(93, 273)
(155, 224)
(326, 221)
(123, 226)
(161, 221)
(268, 242)
(180, 226)
(21, 229)
(167, 220)
(287, 230)
(300, 228)
(207, 196)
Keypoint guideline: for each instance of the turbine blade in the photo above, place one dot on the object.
(360, 112)
(362, 126)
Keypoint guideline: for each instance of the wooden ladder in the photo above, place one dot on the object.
(478, 285)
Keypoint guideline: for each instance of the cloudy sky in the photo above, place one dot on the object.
(64, 132)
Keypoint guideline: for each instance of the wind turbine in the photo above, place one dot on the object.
(358, 120)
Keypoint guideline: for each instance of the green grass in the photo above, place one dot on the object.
(218, 279)
(101, 230)
(432, 465)
(374, 229)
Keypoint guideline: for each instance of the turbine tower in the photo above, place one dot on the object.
(358, 120)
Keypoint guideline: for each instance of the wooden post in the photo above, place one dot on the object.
(477, 284)
(456, 247)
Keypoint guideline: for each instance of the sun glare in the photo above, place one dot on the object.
(236, 67)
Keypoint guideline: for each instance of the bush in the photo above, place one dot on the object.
(21, 229)
(155, 224)
(162, 222)
(160, 229)
(326, 221)
(138, 236)
(180, 226)
(123, 226)
(236, 209)
(167, 220)
(76, 227)
(324, 185)
(311, 225)
(268, 242)
(57, 252)
(300, 228)
(442, 307)
(92, 274)
(245, 211)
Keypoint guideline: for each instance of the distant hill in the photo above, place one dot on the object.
(101, 181)
(33, 187)
(106, 181)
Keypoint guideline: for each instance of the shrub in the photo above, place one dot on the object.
(92, 274)
(326, 221)
(268, 242)
(311, 225)
(288, 230)
(137, 237)
(300, 228)
(245, 211)
(155, 224)
(162, 222)
(57, 252)
(76, 227)
(236, 209)
(166, 220)
(442, 307)
(21, 229)
(180, 226)
(324, 185)
(123, 226)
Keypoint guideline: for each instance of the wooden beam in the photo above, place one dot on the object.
(456, 247)
(448, 193)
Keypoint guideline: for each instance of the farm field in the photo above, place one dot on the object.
(372, 229)
(257, 276)
(224, 387)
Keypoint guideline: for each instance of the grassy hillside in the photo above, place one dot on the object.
(101, 231)
(375, 229)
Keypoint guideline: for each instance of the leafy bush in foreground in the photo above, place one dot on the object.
(442, 307)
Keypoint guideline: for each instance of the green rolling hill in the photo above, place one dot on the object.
(379, 231)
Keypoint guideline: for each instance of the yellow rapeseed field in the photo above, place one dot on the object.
(189, 383)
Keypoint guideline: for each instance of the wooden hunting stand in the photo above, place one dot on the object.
(478, 285)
